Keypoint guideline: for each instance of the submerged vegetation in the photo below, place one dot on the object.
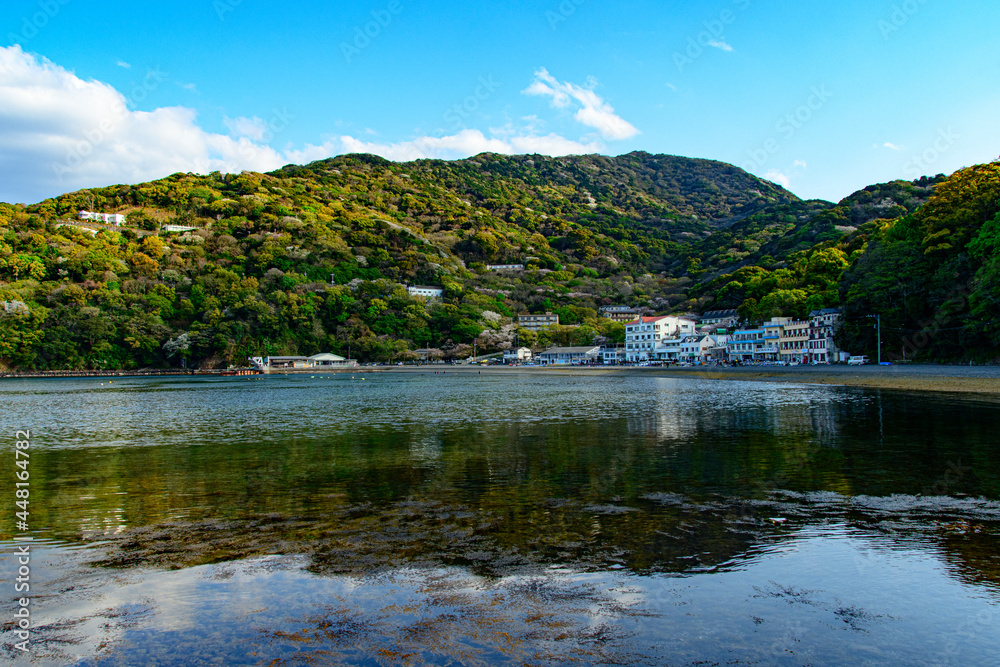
(213, 269)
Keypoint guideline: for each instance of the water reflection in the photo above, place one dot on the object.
(782, 507)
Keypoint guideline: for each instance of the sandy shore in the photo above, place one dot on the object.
(955, 379)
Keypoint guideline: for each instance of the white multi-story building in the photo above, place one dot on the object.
(107, 218)
(644, 335)
(822, 326)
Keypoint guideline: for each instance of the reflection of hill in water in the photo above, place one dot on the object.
(504, 474)
(972, 550)
(664, 532)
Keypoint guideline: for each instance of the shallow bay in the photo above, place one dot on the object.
(508, 519)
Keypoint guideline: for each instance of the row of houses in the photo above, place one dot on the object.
(788, 340)
(782, 339)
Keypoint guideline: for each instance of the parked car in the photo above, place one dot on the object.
(858, 361)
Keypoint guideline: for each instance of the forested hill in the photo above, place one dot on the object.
(315, 258)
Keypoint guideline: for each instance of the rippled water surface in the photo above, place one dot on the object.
(504, 519)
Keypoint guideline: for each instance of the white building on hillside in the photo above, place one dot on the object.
(720, 318)
(106, 218)
(426, 292)
(623, 314)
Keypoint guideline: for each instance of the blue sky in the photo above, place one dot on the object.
(823, 98)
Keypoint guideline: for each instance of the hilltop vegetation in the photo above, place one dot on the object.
(315, 258)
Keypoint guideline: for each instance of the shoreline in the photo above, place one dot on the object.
(934, 378)
(944, 379)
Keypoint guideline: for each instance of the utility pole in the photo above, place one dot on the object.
(879, 316)
(878, 326)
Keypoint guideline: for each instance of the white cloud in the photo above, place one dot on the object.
(553, 144)
(460, 145)
(781, 179)
(800, 164)
(593, 112)
(720, 44)
(59, 133)
(253, 128)
(891, 146)
(672, 87)
(122, 63)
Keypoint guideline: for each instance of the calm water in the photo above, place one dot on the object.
(505, 519)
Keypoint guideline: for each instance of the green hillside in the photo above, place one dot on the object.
(315, 258)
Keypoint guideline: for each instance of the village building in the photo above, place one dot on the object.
(823, 325)
(559, 356)
(426, 292)
(623, 314)
(611, 355)
(106, 218)
(747, 345)
(644, 335)
(517, 355)
(536, 322)
(793, 345)
(720, 318)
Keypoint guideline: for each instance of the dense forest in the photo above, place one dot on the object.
(317, 258)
